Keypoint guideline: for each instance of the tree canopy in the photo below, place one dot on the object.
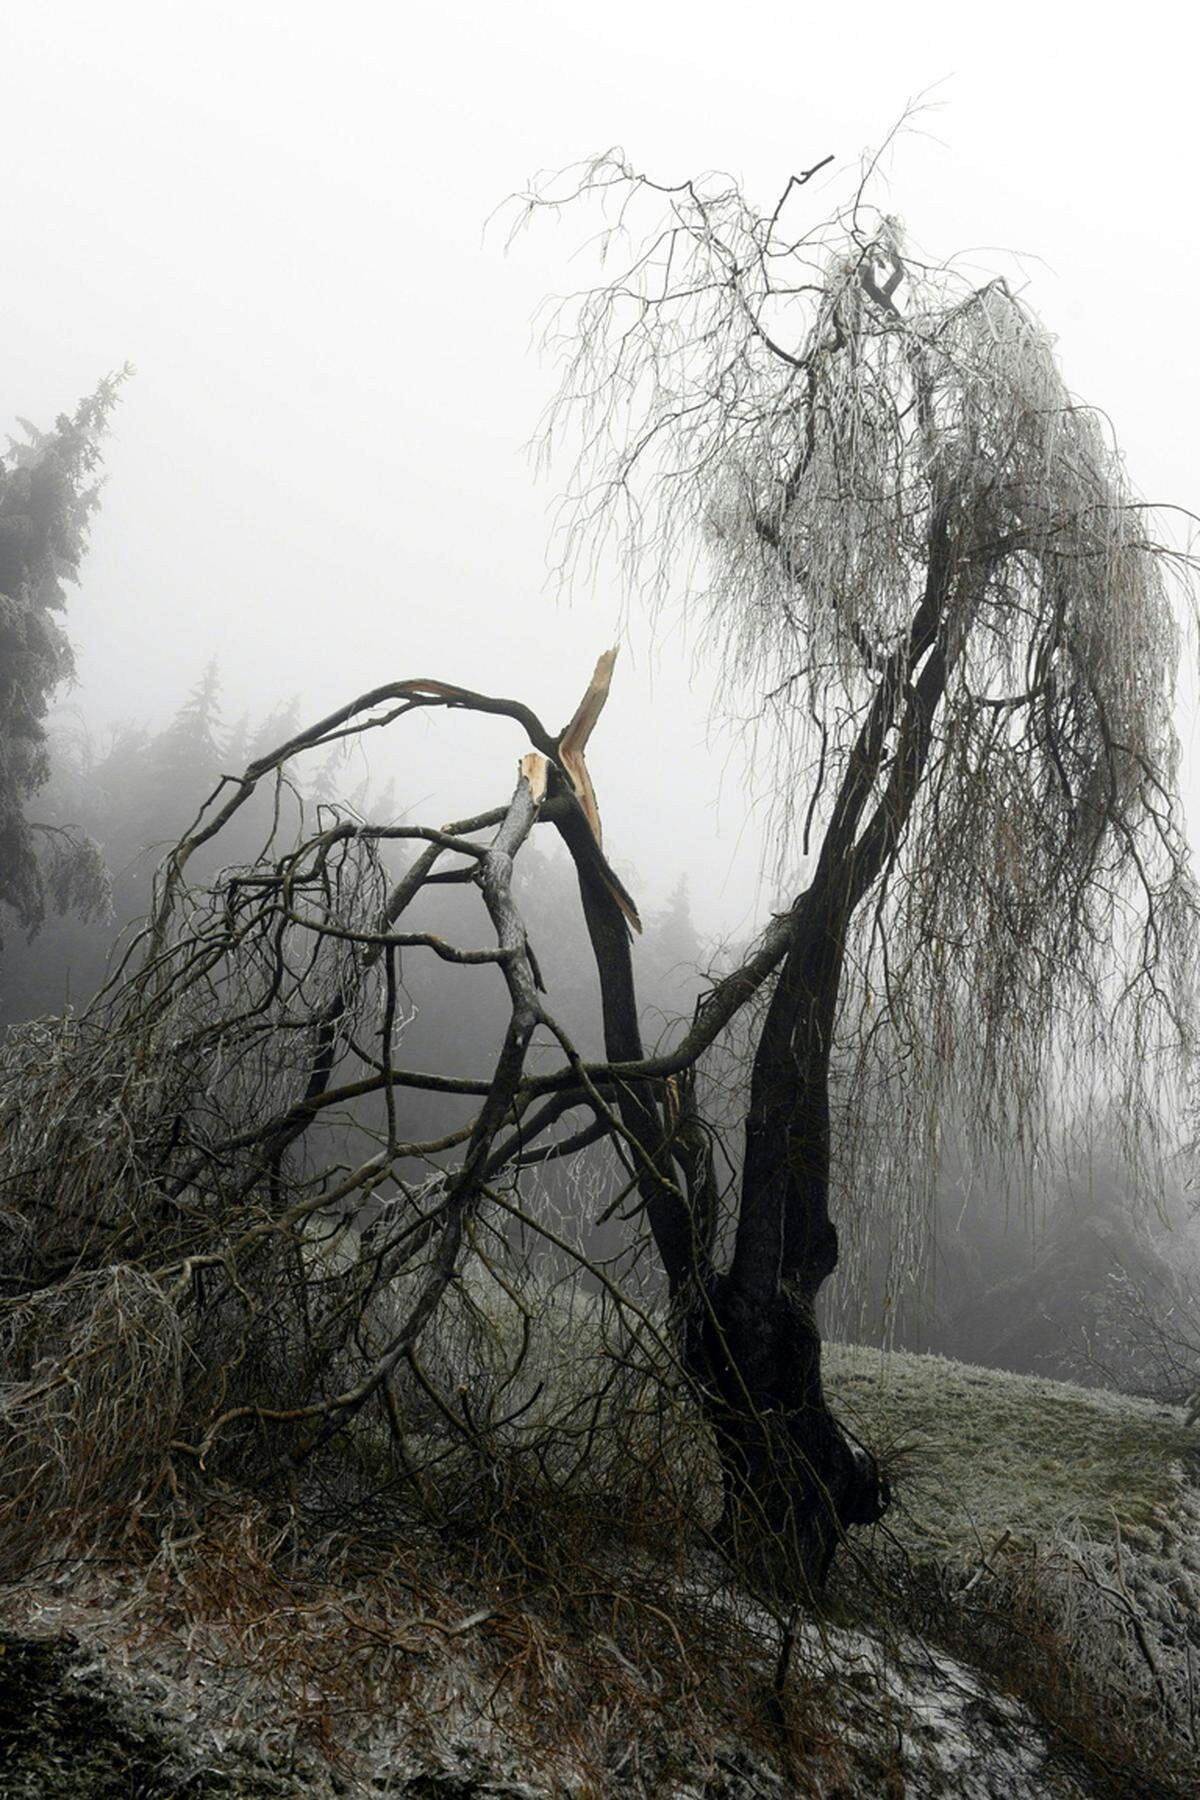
(926, 583)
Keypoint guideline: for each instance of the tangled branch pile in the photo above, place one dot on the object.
(224, 1256)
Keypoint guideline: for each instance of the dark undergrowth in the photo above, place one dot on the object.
(65, 1734)
(550, 1646)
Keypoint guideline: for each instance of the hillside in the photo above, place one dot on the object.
(1068, 1503)
(986, 1452)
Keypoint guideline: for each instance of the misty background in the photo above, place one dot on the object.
(319, 479)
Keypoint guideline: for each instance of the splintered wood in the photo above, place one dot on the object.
(573, 742)
(535, 770)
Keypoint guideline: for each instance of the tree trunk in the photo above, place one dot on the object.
(792, 1480)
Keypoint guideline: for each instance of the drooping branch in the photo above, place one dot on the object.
(802, 448)
(465, 1186)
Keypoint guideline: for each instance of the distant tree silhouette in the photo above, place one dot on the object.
(188, 757)
(128, 801)
(49, 490)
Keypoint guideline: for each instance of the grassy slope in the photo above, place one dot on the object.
(1083, 1508)
(990, 1453)
(994, 1452)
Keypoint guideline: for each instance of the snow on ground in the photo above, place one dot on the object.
(900, 1721)
(1100, 1483)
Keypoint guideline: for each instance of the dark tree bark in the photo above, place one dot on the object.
(793, 1481)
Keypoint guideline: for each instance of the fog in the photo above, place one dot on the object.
(440, 1351)
(277, 212)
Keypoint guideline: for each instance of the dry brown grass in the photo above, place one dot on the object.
(88, 1407)
(551, 1646)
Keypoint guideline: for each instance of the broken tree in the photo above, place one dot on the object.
(915, 560)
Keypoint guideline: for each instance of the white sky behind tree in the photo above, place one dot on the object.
(276, 211)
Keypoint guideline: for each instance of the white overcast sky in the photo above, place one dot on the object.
(275, 211)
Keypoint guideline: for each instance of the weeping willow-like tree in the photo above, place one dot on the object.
(916, 562)
(919, 568)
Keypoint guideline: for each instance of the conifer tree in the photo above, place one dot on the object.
(49, 490)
